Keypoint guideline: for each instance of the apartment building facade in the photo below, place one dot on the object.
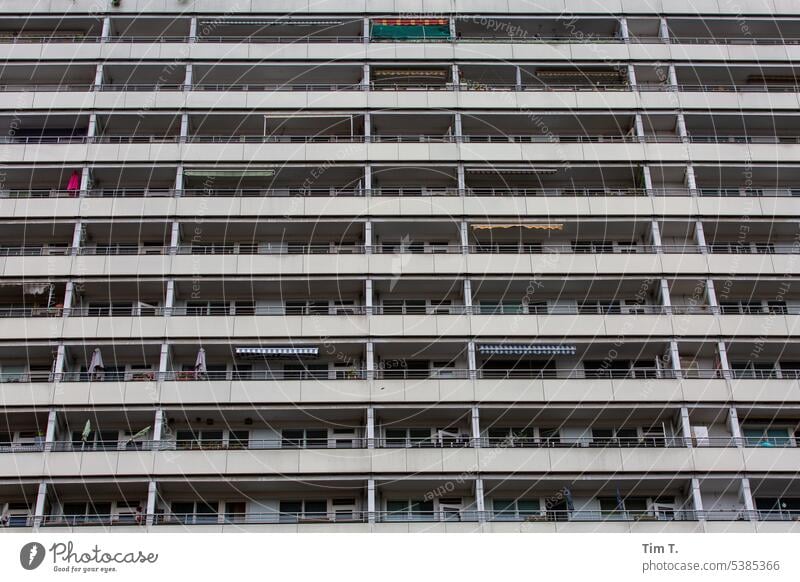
(400, 266)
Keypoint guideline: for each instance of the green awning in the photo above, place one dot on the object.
(404, 32)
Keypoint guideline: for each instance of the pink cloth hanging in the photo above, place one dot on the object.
(74, 183)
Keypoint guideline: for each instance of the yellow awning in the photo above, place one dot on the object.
(529, 226)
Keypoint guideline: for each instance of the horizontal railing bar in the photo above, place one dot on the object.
(658, 442)
(398, 374)
(400, 192)
(463, 86)
(358, 516)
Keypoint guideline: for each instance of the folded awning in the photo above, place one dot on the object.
(510, 170)
(529, 226)
(526, 350)
(277, 351)
(412, 21)
(410, 73)
(285, 22)
(229, 173)
(582, 73)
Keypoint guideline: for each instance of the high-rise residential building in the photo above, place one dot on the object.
(463, 265)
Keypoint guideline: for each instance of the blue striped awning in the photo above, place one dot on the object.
(526, 350)
(277, 351)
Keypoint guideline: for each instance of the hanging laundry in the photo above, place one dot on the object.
(74, 183)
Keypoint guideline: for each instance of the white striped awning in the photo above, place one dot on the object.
(526, 350)
(510, 170)
(277, 351)
(282, 22)
(230, 173)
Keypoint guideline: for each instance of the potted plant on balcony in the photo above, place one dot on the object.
(143, 376)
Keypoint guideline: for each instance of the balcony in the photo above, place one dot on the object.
(336, 29)
(438, 184)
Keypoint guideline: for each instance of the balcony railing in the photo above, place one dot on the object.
(361, 310)
(358, 86)
(401, 374)
(404, 138)
(406, 191)
(600, 373)
(391, 374)
(585, 38)
(449, 442)
(299, 248)
(192, 376)
(356, 516)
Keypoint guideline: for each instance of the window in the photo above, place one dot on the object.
(753, 370)
(344, 308)
(557, 510)
(607, 369)
(18, 514)
(304, 307)
(87, 512)
(244, 307)
(409, 509)
(344, 438)
(95, 309)
(513, 509)
(443, 369)
(103, 440)
(602, 436)
(600, 306)
(191, 512)
(511, 437)
(235, 511)
(498, 307)
(592, 246)
(408, 437)
(305, 372)
(128, 511)
(404, 306)
(776, 306)
(406, 369)
(441, 306)
(450, 437)
(301, 438)
(293, 511)
(238, 439)
(537, 307)
(242, 371)
(653, 436)
(199, 308)
(549, 436)
(778, 507)
(403, 247)
(766, 436)
(611, 507)
(202, 439)
(14, 374)
(616, 437)
(344, 509)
